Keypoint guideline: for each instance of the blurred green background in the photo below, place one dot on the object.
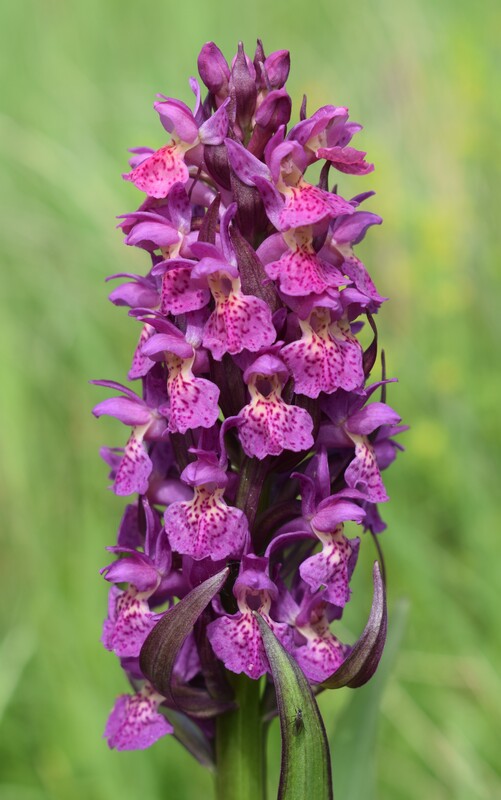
(78, 83)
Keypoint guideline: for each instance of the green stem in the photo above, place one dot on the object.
(240, 746)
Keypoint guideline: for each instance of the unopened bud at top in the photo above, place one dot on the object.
(277, 67)
(243, 87)
(214, 70)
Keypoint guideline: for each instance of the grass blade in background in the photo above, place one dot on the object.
(354, 739)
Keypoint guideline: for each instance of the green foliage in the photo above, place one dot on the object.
(305, 766)
(80, 79)
(163, 643)
(355, 730)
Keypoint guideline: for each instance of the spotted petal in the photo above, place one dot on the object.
(157, 174)
(135, 467)
(135, 723)
(363, 472)
(357, 272)
(238, 643)
(179, 295)
(325, 363)
(306, 204)
(193, 402)
(346, 159)
(332, 569)
(320, 656)
(269, 426)
(239, 322)
(206, 527)
(141, 364)
(301, 273)
(128, 623)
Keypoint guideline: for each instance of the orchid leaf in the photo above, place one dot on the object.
(354, 738)
(305, 769)
(159, 652)
(365, 654)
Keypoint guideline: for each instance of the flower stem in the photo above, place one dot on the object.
(240, 746)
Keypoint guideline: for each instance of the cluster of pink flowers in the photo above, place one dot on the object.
(252, 440)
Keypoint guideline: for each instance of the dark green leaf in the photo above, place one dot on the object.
(160, 650)
(305, 770)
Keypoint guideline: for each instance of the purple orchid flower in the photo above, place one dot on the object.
(326, 135)
(148, 423)
(236, 639)
(290, 201)
(147, 573)
(268, 425)
(192, 401)
(327, 357)
(344, 233)
(321, 653)
(239, 321)
(298, 269)
(206, 527)
(135, 722)
(160, 171)
(254, 443)
(351, 424)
